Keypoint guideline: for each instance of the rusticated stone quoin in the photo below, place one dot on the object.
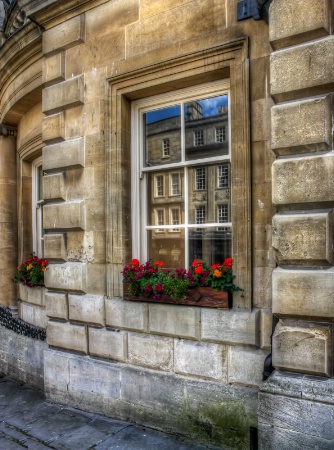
(303, 347)
(304, 238)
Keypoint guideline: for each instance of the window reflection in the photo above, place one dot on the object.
(162, 136)
(206, 127)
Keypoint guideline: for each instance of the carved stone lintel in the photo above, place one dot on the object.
(5, 130)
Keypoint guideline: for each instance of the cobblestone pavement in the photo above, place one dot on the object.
(27, 420)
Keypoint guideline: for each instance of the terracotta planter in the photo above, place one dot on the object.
(199, 296)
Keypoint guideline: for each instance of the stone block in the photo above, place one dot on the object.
(289, 418)
(152, 33)
(200, 359)
(34, 295)
(304, 238)
(64, 95)
(262, 288)
(302, 126)
(55, 246)
(65, 35)
(127, 315)
(70, 276)
(53, 128)
(86, 246)
(260, 110)
(53, 69)
(67, 215)
(286, 30)
(67, 336)
(292, 76)
(146, 350)
(54, 187)
(304, 347)
(178, 321)
(33, 314)
(108, 344)
(86, 308)
(56, 305)
(301, 292)
(308, 179)
(246, 366)
(230, 327)
(64, 155)
(266, 323)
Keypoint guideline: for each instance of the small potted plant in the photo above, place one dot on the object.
(202, 285)
(30, 274)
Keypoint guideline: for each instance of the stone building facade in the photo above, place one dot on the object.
(76, 78)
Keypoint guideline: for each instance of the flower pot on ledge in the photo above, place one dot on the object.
(197, 296)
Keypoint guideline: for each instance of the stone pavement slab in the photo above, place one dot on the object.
(28, 421)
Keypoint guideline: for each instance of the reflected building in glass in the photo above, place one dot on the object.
(188, 196)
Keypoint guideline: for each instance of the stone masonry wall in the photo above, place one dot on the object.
(291, 407)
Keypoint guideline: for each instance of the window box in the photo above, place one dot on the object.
(197, 296)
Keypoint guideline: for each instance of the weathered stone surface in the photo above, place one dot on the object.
(86, 308)
(266, 322)
(108, 344)
(64, 155)
(71, 276)
(34, 295)
(307, 180)
(67, 215)
(33, 314)
(298, 21)
(301, 292)
(292, 76)
(54, 187)
(201, 359)
(63, 95)
(54, 68)
(230, 327)
(55, 246)
(64, 35)
(68, 336)
(289, 418)
(303, 347)
(170, 320)
(22, 357)
(155, 352)
(245, 366)
(157, 399)
(151, 32)
(53, 128)
(127, 315)
(302, 126)
(56, 305)
(305, 238)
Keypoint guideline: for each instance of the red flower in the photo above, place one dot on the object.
(135, 262)
(215, 266)
(198, 270)
(228, 263)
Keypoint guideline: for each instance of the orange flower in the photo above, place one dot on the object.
(217, 273)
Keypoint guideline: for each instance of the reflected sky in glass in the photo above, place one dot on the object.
(208, 107)
(160, 114)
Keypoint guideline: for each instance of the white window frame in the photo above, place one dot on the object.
(171, 193)
(220, 134)
(139, 183)
(166, 148)
(171, 219)
(198, 138)
(219, 177)
(200, 182)
(156, 186)
(37, 210)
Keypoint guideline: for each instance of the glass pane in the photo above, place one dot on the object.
(206, 127)
(162, 129)
(167, 247)
(209, 194)
(39, 183)
(212, 245)
(165, 197)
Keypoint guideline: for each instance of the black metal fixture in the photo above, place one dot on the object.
(256, 9)
(268, 366)
(19, 326)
